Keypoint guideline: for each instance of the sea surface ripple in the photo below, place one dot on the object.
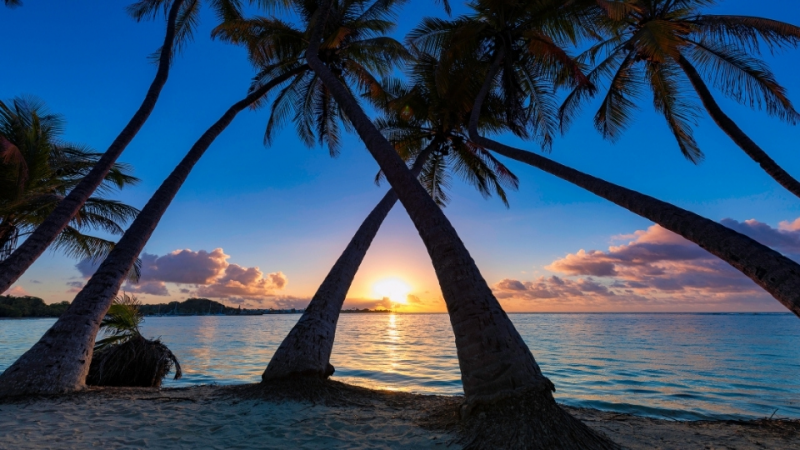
(677, 366)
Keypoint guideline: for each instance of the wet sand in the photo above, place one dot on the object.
(355, 418)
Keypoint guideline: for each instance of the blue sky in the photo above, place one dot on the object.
(291, 209)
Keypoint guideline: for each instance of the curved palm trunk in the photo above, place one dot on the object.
(44, 235)
(735, 133)
(777, 274)
(8, 238)
(60, 361)
(498, 371)
(493, 358)
(306, 350)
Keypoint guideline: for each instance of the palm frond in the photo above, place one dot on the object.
(121, 322)
(436, 179)
(746, 32)
(669, 98)
(616, 110)
(77, 245)
(744, 79)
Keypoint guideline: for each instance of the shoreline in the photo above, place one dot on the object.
(335, 416)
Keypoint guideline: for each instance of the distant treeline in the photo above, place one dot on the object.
(206, 307)
(29, 307)
(190, 307)
(36, 307)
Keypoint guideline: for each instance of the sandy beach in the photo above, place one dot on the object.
(245, 417)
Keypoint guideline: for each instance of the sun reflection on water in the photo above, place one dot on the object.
(685, 366)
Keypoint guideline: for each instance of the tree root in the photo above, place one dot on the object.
(530, 420)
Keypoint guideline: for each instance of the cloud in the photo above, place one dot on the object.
(87, 267)
(75, 286)
(414, 300)
(655, 270)
(185, 266)
(17, 291)
(209, 273)
(785, 239)
(157, 288)
(249, 283)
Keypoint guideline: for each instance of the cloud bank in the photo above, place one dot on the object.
(656, 270)
(200, 273)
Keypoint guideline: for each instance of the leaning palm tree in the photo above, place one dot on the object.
(775, 273)
(357, 47)
(655, 43)
(37, 169)
(497, 368)
(51, 228)
(59, 361)
(425, 124)
(124, 357)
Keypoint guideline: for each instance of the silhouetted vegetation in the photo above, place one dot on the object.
(29, 307)
(203, 307)
(124, 357)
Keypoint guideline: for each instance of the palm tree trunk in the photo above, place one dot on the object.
(306, 350)
(44, 235)
(777, 274)
(498, 371)
(60, 360)
(735, 133)
(494, 360)
(7, 238)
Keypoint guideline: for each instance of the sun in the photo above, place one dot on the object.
(394, 289)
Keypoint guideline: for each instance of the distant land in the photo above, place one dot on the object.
(19, 307)
(29, 307)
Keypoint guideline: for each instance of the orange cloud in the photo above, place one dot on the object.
(656, 270)
(17, 291)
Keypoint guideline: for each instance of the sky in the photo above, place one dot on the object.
(261, 226)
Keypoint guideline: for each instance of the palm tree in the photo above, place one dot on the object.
(124, 357)
(653, 42)
(424, 123)
(777, 274)
(496, 365)
(51, 228)
(357, 48)
(37, 169)
(59, 361)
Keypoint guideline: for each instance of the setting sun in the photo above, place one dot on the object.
(394, 289)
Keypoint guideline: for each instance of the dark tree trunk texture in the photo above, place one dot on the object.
(8, 235)
(496, 365)
(60, 361)
(777, 274)
(736, 134)
(494, 360)
(44, 235)
(306, 350)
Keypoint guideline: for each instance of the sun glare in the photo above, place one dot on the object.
(395, 289)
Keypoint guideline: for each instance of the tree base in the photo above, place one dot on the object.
(530, 420)
(274, 374)
(308, 389)
(57, 364)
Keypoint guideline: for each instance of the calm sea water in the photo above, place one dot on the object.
(680, 366)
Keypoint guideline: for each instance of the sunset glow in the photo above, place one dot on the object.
(394, 289)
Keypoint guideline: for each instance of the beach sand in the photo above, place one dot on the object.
(233, 417)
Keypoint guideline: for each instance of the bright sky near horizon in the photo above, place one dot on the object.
(262, 226)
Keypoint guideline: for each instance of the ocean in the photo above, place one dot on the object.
(676, 366)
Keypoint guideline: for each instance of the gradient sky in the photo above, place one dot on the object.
(281, 215)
